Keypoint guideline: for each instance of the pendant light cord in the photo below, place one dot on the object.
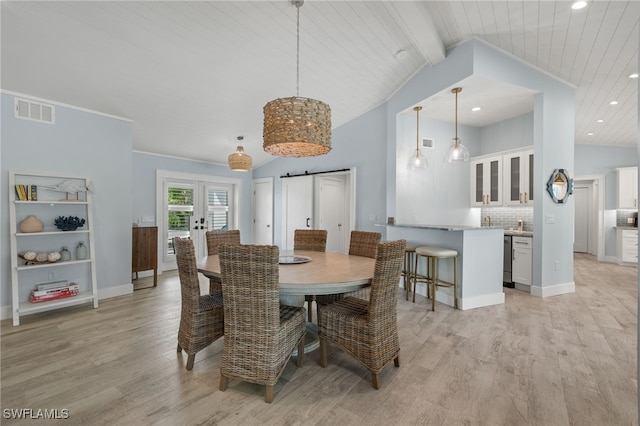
(456, 91)
(298, 4)
(418, 108)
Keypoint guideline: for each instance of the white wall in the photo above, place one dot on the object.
(438, 195)
(80, 143)
(144, 175)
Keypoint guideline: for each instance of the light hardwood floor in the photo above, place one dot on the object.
(564, 360)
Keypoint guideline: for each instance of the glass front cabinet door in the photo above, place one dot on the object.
(486, 181)
(518, 178)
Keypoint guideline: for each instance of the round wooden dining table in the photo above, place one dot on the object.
(324, 273)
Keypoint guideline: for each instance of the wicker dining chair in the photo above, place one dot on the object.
(214, 240)
(260, 333)
(201, 316)
(312, 240)
(368, 329)
(361, 243)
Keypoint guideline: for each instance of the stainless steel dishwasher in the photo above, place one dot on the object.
(507, 278)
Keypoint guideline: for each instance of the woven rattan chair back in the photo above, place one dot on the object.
(310, 239)
(363, 243)
(384, 285)
(216, 238)
(368, 330)
(188, 273)
(201, 317)
(260, 334)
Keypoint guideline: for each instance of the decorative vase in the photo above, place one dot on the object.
(65, 254)
(31, 224)
(81, 251)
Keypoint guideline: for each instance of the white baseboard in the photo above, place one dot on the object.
(119, 290)
(446, 296)
(523, 287)
(467, 303)
(553, 290)
(105, 293)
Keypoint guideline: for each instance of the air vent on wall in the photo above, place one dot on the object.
(427, 143)
(35, 111)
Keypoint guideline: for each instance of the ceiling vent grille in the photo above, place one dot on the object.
(35, 111)
(427, 143)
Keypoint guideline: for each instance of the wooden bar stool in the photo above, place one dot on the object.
(433, 254)
(407, 268)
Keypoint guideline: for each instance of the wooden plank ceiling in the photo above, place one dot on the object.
(195, 75)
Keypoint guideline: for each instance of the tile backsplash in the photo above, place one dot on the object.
(623, 215)
(507, 217)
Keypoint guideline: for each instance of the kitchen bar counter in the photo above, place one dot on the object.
(480, 260)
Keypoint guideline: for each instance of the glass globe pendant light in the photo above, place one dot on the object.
(417, 160)
(457, 153)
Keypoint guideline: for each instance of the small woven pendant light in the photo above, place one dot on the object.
(239, 161)
(296, 126)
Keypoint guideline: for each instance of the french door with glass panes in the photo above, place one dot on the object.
(191, 209)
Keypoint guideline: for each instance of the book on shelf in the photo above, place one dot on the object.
(69, 288)
(53, 294)
(27, 192)
(48, 285)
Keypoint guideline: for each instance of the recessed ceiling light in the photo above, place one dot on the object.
(590, 134)
(634, 75)
(579, 5)
(475, 109)
(600, 121)
(613, 103)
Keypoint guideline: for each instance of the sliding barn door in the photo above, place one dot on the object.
(297, 207)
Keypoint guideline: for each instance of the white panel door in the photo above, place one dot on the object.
(332, 212)
(262, 226)
(297, 207)
(582, 199)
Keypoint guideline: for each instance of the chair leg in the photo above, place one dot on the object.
(375, 380)
(455, 282)
(415, 277)
(407, 274)
(190, 360)
(300, 359)
(323, 353)
(268, 394)
(434, 280)
(224, 382)
(396, 361)
(179, 348)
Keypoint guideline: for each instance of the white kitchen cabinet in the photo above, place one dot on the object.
(627, 187)
(627, 245)
(522, 260)
(486, 181)
(50, 202)
(518, 178)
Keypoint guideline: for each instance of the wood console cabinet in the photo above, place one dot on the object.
(145, 251)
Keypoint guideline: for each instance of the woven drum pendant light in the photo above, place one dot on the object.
(457, 153)
(296, 126)
(239, 161)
